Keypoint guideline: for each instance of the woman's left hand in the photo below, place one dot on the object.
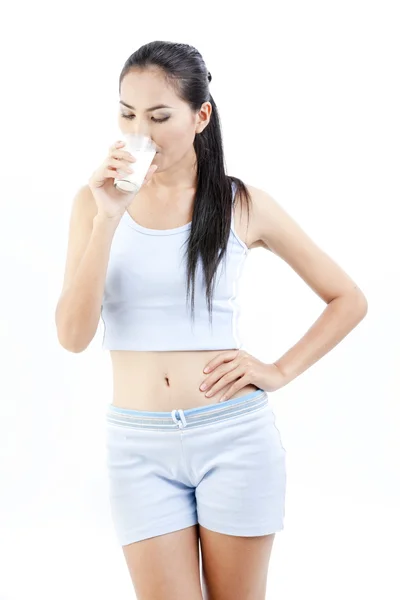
(241, 369)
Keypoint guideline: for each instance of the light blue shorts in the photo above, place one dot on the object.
(222, 466)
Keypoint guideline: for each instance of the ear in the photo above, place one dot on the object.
(203, 117)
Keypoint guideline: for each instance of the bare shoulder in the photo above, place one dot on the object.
(261, 223)
(84, 202)
(273, 228)
(251, 231)
(268, 220)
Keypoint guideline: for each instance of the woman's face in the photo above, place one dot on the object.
(172, 128)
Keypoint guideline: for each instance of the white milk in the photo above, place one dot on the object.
(143, 149)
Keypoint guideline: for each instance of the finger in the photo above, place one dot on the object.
(223, 382)
(113, 174)
(211, 379)
(119, 144)
(122, 155)
(121, 165)
(219, 359)
(238, 385)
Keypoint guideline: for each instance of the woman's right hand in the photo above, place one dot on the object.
(111, 202)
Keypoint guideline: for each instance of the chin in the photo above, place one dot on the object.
(156, 161)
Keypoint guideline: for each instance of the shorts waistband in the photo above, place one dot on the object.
(187, 419)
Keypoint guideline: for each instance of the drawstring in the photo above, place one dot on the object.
(182, 421)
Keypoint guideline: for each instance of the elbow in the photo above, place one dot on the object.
(72, 340)
(76, 349)
(71, 344)
(73, 336)
(359, 305)
(362, 303)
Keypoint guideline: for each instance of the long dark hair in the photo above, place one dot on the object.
(185, 70)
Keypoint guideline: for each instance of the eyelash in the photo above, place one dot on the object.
(130, 117)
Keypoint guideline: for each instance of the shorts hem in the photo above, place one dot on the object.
(159, 529)
(245, 531)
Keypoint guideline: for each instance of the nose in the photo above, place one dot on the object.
(140, 127)
(140, 131)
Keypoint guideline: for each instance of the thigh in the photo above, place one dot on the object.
(166, 567)
(149, 494)
(234, 568)
(242, 465)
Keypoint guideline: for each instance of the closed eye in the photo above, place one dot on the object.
(131, 117)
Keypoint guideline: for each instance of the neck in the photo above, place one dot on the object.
(180, 176)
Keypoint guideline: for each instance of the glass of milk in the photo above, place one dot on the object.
(142, 148)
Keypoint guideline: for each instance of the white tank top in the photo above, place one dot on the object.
(144, 303)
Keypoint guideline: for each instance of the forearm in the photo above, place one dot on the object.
(340, 316)
(78, 310)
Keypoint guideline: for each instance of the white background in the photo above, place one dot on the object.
(308, 94)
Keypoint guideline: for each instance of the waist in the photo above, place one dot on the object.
(162, 381)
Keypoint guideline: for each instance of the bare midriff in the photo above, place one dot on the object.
(162, 381)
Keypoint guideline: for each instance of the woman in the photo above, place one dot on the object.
(161, 269)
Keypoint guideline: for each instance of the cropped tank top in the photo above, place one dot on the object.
(144, 304)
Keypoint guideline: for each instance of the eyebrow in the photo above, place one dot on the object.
(148, 109)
